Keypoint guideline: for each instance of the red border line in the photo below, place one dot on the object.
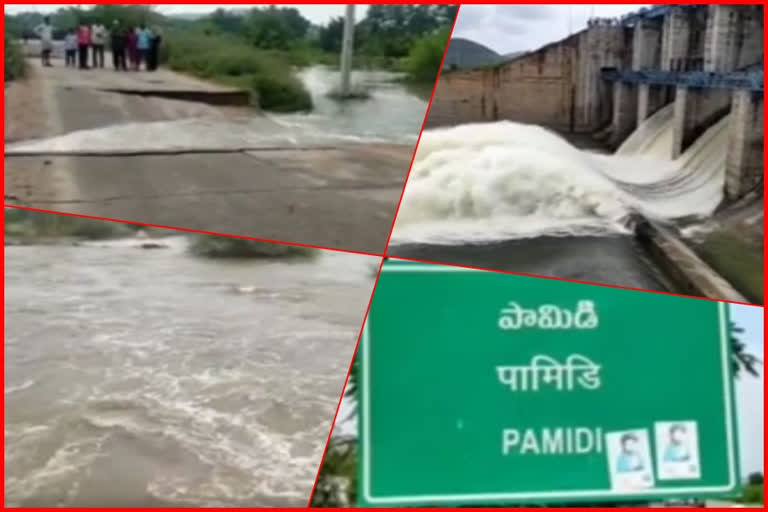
(383, 259)
(344, 387)
(423, 123)
(188, 230)
(606, 285)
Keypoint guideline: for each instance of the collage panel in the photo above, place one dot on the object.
(616, 144)
(151, 367)
(287, 123)
(233, 279)
(480, 388)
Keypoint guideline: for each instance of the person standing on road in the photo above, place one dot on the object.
(143, 44)
(83, 42)
(98, 40)
(118, 44)
(131, 41)
(70, 48)
(45, 32)
(154, 50)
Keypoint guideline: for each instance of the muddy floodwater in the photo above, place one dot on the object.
(149, 377)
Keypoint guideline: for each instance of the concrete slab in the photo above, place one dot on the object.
(107, 78)
(342, 198)
(149, 164)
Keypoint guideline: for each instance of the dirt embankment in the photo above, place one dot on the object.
(25, 115)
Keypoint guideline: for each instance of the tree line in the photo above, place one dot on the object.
(385, 31)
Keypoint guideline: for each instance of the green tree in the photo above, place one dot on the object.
(425, 57)
(228, 21)
(276, 28)
(742, 360)
(330, 36)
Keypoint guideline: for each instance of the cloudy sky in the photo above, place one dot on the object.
(514, 28)
(750, 390)
(319, 14)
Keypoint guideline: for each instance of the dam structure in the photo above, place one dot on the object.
(667, 75)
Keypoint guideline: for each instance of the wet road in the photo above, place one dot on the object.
(314, 179)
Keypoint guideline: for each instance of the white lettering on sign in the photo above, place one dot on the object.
(547, 316)
(545, 370)
(552, 441)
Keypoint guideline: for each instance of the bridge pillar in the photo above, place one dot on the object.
(721, 40)
(744, 159)
(650, 98)
(624, 111)
(695, 111)
(676, 34)
(646, 43)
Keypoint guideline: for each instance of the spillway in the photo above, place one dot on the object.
(519, 197)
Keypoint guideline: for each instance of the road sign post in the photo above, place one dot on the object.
(487, 388)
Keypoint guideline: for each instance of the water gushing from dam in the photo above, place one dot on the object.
(505, 181)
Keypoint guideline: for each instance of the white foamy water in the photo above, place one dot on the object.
(183, 134)
(506, 180)
(149, 377)
(391, 115)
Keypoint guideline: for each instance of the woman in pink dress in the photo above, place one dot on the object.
(133, 52)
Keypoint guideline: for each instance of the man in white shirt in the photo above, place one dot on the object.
(98, 40)
(45, 32)
(70, 48)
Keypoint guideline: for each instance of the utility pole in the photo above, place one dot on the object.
(346, 50)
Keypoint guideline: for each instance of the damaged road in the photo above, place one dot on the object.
(73, 146)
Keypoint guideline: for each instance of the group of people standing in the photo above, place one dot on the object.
(134, 46)
(131, 47)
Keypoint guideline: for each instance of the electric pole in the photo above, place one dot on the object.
(346, 50)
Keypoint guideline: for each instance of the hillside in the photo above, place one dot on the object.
(463, 54)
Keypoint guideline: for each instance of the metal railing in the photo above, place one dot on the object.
(752, 80)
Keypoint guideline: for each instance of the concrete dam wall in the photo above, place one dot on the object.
(610, 77)
(559, 85)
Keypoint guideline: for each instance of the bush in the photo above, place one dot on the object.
(31, 224)
(282, 93)
(425, 57)
(233, 62)
(210, 246)
(753, 494)
(14, 60)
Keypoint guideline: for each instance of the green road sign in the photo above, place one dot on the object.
(486, 388)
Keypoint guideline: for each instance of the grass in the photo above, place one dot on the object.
(751, 494)
(224, 247)
(339, 465)
(737, 260)
(233, 62)
(25, 226)
(14, 60)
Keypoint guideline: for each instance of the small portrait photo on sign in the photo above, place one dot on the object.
(677, 450)
(629, 460)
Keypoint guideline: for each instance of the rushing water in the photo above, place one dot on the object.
(391, 113)
(505, 180)
(518, 197)
(149, 377)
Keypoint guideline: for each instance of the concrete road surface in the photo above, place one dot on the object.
(75, 145)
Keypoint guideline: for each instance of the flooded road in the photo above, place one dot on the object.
(150, 378)
(330, 178)
(393, 112)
